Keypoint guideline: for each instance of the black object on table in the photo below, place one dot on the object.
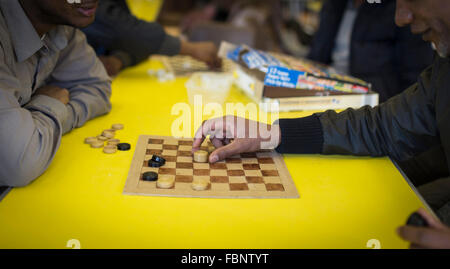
(159, 159)
(123, 146)
(154, 164)
(416, 220)
(150, 176)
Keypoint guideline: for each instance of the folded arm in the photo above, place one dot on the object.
(84, 76)
(31, 135)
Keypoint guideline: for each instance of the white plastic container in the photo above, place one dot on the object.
(213, 87)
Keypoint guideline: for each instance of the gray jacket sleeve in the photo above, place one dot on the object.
(31, 135)
(81, 72)
(402, 127)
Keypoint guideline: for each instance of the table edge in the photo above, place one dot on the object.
(416, 191)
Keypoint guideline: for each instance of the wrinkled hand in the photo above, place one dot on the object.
(202, 51)
(436, 236)
(113, 65)
(55, 92)
(233, 135)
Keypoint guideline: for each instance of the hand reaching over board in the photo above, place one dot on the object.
(234, 135)
(261, 174)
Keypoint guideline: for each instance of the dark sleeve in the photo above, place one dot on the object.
(116, 29)
(126, 58)
(401, 127)
(324, 39)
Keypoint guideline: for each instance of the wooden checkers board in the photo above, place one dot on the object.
(250, 175)
(182, 66)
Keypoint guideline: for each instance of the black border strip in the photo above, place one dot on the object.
(174, 258)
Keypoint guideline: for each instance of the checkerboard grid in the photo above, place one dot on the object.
(237, 167)
(185, 65)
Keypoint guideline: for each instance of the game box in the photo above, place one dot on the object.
(289, 84)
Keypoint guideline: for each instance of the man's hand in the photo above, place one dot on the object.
(113, 65)
(202, 51)
(233, 135)
(55, 92)
(437, 235)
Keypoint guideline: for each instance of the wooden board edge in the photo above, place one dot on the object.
(285, 176)
(131, 185)
(135, 169)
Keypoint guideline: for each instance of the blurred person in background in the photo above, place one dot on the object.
(121, 40)
(362, 40)
(237, 21)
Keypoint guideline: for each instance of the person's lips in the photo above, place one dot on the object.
(87, 9)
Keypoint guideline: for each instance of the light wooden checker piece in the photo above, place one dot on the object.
(249, 175)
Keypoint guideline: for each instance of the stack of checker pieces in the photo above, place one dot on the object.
(251, 175)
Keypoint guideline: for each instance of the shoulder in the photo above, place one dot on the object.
(435, 78)
(441, 70)
(69, 32)
(72, 35)
(5, 39)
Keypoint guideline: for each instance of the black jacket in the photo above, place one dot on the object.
(118, 32)
(381, 53)
(411, 125)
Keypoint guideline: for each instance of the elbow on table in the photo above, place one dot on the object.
(108, 107)
(14, 176)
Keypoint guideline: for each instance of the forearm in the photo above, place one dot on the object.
(362, 132)
(29, 137)
(186, 48)
(171, 46)
(86, 103)
(302, 136)
(84, 76)
(401, 128)
(331, 133)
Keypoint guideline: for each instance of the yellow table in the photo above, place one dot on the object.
(345, 201)
(145, 9)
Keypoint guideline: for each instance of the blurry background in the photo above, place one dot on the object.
(353, 37)
(281, 26)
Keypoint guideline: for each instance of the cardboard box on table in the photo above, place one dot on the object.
(290, 98)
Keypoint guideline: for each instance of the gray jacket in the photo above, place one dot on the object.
(31, 125)
(407, 126)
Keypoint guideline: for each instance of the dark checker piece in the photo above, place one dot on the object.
(150, 176)
(152, 163)
(417, 220)
(159, 159)
(123, 146)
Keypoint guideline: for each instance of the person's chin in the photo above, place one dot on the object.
(83, 22)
